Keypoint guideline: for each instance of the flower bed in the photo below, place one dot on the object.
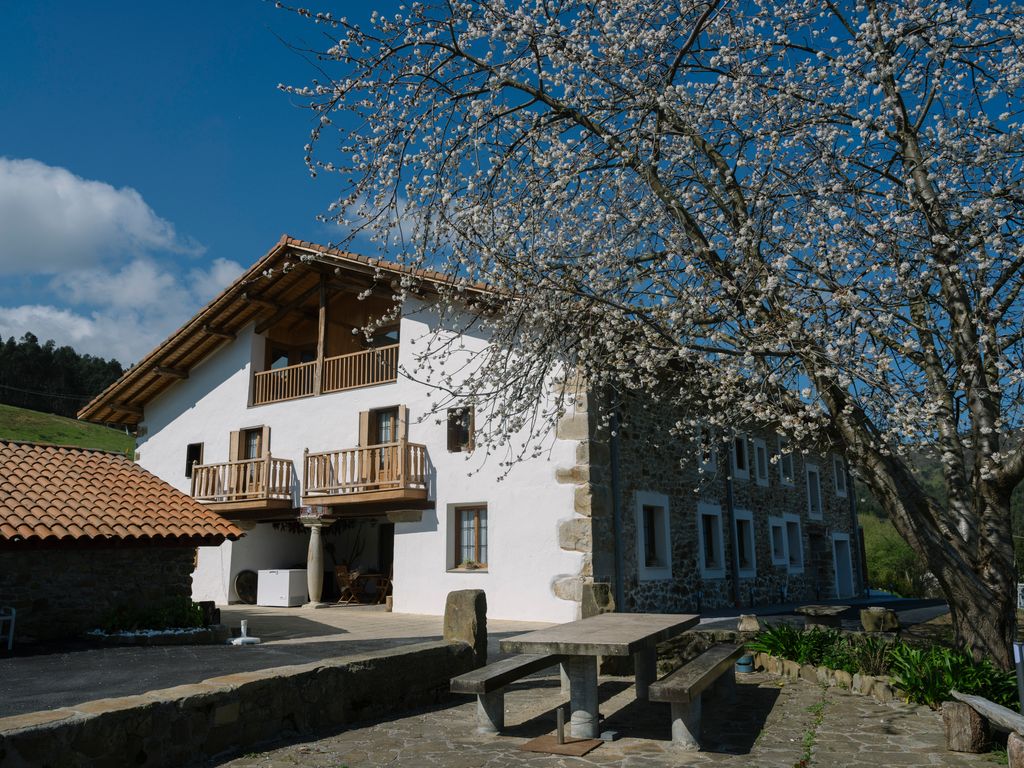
(881, 687)
(212, 635)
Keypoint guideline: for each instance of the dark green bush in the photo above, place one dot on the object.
(172, 613)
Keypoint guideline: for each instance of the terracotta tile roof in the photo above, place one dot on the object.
(52, 493)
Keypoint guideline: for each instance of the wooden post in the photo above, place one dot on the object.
(305, 470)
(321, 336)
(966, 730)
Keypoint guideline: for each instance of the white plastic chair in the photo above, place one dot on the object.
(7, 618)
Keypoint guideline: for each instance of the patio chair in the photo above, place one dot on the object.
(7, 620)
(347, 584)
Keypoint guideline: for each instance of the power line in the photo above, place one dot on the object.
(45, 394)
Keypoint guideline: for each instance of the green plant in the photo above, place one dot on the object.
(172, 613)
(814, 646)
(870, 655)
(928, 675)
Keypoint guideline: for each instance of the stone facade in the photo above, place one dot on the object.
(63, 591)
(653, 464)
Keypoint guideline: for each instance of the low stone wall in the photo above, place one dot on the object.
(63, 591)
(188, 724)
(879, 687)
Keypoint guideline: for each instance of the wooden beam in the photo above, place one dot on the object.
(174, 373)
(209, 330)
(321, 336)
(253, 299)
(284, 309)
(134, 410)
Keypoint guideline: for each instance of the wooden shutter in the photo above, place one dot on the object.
(265, 441)
(471, 427)
(235, 446)
(364, 428)
(403, 424)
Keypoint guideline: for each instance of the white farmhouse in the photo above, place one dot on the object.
(274, 410)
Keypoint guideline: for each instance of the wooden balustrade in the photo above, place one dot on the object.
(260, 479)
(390, 466)
(350, 371)
(360, 369)
(284, 383)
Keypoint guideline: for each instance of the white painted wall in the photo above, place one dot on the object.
(524, 509)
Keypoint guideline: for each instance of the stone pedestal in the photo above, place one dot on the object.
(465, 620)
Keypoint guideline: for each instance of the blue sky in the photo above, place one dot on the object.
(146, 157)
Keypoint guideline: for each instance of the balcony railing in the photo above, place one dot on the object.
(400, 466)
(350, 371)
(256, 480)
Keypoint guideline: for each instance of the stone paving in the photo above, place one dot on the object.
(775, 724)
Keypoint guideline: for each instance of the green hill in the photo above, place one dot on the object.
(36, 427)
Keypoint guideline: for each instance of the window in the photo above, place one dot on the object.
(786, 473)
(471, 537)
(839, 472)
(760, 461)
(777, 530)
(385, 426)
(740, 458)
(707, 450)
(252, 443)
(709, 535)
(653, 537)
(460, 429)
(746, 558)
(193, 455)
(794, 544)
(813, 492)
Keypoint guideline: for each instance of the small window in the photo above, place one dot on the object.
(813, 492)
(193, 455)
(471, 537)
(786, 474)
(740, 458)
(794, 544)
(707, 450)
(760, 461)
(746, 559)
(460, 429)
(839, 471)
(777, 530)
(385, 426)
(252, 443)
(653, 538)
(709, 534)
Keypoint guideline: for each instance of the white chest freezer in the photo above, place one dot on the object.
(284, 587)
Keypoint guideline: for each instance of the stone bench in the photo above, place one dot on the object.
(489, 683)
(823, 615)
(683, 689)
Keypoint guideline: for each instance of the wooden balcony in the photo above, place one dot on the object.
(248, 485)
(336, 374)
(367, 480)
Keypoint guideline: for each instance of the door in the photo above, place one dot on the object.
(843, 564)
(385, 432)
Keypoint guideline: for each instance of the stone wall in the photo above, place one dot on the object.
(189, 724)
(654, 461)
(63, 591)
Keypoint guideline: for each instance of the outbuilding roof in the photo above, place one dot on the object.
(51, 493)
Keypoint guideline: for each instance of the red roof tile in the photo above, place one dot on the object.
(52, 493)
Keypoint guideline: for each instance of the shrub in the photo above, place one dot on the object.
(928, 675)
(172, 613)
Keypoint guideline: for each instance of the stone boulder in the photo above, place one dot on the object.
(465, 620)
(878, 619)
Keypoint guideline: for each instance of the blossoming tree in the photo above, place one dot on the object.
(801, 212)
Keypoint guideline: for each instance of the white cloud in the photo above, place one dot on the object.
(51, 220)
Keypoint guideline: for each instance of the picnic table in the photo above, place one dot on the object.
(607, 634)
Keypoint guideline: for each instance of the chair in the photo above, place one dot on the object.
(347, 581)
(7, 618)
(384, 586)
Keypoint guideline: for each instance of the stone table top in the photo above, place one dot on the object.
(822, 610)
(607, 634)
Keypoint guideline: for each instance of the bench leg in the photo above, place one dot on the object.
(645, 666)
(563, 674)
(725, 688)
(583, 723)
(686, 724)
(490, 712)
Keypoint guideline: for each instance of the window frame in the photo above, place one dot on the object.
(663, 571)
(747, 516)
(188, 452)
(457, 511)
(839, 471)
(737, 473)
(706, 509)
(784, 454)
(453, 415)
(794, 520)
(759, 477)
(811, 513)
(778, 524)
(707, 449)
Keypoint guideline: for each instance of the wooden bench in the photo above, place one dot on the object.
(963, 735)
(684, 687)
(489, 682)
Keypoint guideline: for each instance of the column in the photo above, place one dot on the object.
(583, 723)
(645, 666)
(314, 565)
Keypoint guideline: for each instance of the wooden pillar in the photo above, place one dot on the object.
(321, 336)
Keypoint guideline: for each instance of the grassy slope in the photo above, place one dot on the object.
(36, 427)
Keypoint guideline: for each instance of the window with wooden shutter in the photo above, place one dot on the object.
(460, 429)
(471, 537)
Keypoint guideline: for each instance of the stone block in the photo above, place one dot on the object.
(843, 679)
(882, 692)
(966, 730)
(568, 588)
(573, 475)
(809, 673)
(790, 669)
(748, 623)
(596, 598)
(591, 500)
(575, 534)
(1015, 750)
(876, 619)
(824, 675)
(573, 426)
(465, 620)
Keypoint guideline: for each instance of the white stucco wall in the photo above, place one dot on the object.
(524, 509)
